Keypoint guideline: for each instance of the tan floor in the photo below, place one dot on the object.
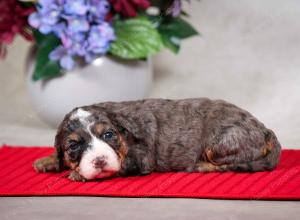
(79, 208)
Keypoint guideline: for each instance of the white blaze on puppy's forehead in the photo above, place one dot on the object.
(81, 114)
(98, 148)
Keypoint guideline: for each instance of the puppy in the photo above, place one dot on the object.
(159, 135)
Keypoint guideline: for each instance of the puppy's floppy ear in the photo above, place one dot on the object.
(58, 143)
(142, 125)
(59, 151)
(126, 125)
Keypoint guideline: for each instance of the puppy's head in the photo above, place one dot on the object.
(87, 141)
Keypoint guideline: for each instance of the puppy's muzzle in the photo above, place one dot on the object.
(99, 162)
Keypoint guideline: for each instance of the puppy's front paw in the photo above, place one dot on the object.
(46, 164)
(75, 176)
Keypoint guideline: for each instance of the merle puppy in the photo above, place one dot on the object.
(157, 135)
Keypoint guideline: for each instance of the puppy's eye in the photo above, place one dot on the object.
(74, 147)
(108, 135)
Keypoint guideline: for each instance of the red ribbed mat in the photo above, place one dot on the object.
(18, 178)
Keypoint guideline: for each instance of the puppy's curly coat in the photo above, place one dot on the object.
(159, 135)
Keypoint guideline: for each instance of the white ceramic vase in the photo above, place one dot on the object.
(106, 79)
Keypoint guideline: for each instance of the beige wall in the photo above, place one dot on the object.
(248, 53)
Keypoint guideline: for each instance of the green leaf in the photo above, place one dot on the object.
(38, 36)
(51, 69)
(173, 31)
(136, 39)
(172, 43)
(44, 67)
(179, 28)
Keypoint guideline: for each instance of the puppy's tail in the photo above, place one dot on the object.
(268, 161)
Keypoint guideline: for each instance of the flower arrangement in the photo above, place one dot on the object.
(70, 33)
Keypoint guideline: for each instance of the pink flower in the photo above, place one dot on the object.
(13, 20)
(128, 8)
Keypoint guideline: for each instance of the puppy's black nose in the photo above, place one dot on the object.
(99, 162)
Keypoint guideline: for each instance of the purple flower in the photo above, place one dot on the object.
(77, 7)
(59, 29)
(76, 44)
(99, 37)
(175, 8)
(98, 10)
(79, 24)
(47, 15)
(65, 58)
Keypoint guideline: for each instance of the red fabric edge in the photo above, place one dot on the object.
(150, 195)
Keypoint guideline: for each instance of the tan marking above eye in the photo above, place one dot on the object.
(74, 137)
(99, 128)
